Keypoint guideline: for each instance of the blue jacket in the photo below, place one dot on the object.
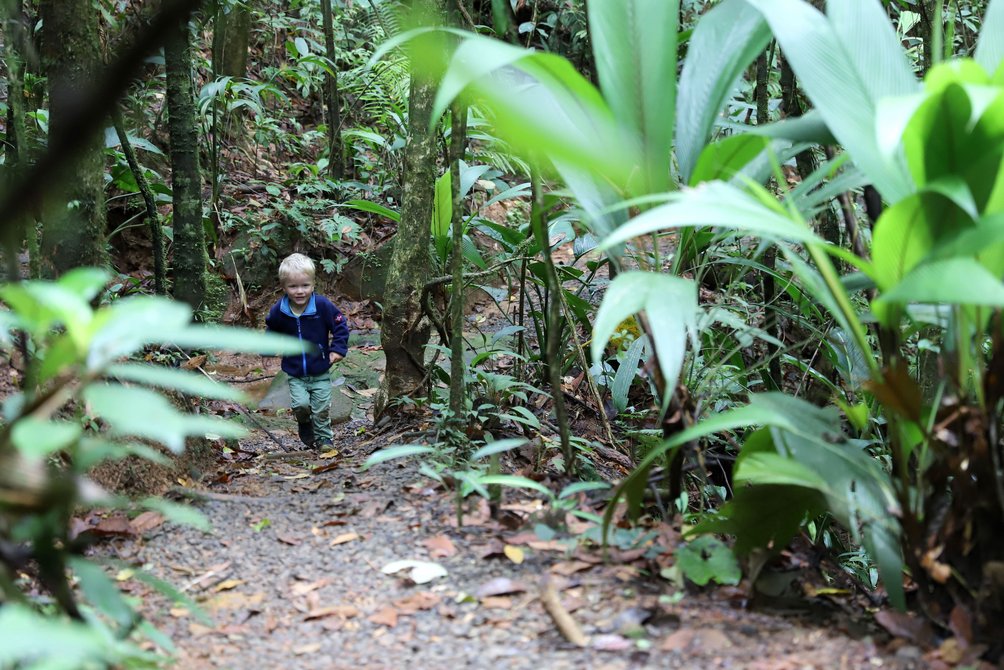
(321, 324)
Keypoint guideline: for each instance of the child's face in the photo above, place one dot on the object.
(298, 287)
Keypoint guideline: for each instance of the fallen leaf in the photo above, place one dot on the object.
(909, 627)
(198, 630)
(423, 600)
(566, 568)
(490, 550)
(232, 600)
(305, 649)
(147, 521)
(228, 584)
(286, 538)
(303, 588)
(497, 602)
(514, 554)
(422, 572)
(344, 537)
(112, 526)
(440, 546)
(179, 612)
(298, 475)
(385, 617)
(498, 587)
(550, 545)
(341, 611)
(705, 640)
(330, 453)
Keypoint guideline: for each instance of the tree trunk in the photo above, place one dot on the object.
(404, 332)
(332, 102)
(18, 146)
(458, 138)
(186, 180)
(74, 233)
(231, 35)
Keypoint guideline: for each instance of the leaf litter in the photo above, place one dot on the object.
(294, 590)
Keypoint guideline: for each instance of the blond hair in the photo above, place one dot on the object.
(296, 264)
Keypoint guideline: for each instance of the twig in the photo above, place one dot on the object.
(195, 494)
(562, 619)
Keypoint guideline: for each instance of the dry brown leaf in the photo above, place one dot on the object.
(440, 546)
(385, 617)
(423, 600)
(147, 521)
(566, 568)
(497, 602)
(344, 537)
(549, 545)
(490, 550)
(232, 600)
(341, 611)
(286, 538)
(303, 588)
(179, 612)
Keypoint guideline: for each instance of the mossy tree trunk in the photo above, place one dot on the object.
(404, 331)
(231, 36)
(186, 180)
(74, 229)
(332, 100)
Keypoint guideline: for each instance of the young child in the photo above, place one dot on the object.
(314, 319)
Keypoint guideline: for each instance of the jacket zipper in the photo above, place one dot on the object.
(303, 354)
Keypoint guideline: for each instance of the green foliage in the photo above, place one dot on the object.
(707, 559)
(81, 405)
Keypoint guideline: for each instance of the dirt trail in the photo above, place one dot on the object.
(291, 575)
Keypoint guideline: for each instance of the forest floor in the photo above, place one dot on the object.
(294, 572)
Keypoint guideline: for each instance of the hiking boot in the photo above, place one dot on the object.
(306, 432)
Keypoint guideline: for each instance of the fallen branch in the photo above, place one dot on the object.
(562, 619)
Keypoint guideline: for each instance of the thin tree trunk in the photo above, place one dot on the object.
(231, 36)
(18, 146)
(774, 374)
(74, 232)
(332, 102)
(458, 140)
(152, 215)
(404, 332)
(186, 180)
(539, 223)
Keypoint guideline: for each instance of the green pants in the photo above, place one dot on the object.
(310, 400)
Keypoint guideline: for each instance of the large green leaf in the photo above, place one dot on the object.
(144, 413)
(908, 231)
(990, 48)
(178, 380)
(725, 41)
(626, 373)
(724, 159)
(634, 44)
(38, 438)
(953, 281)
(28, 639)
(715, 204)
(230, 339)
(958, 132)
(845, 65)
(542, 107)
(670, 305)
(131, 323)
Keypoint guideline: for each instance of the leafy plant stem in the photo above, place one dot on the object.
(553, 337)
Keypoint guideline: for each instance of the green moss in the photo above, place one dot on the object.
(217, 297)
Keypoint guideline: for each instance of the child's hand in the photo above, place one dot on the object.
(334, 358)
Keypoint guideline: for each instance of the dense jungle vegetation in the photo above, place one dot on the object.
(750, 250)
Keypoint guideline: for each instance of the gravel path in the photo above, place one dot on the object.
(291, 576)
